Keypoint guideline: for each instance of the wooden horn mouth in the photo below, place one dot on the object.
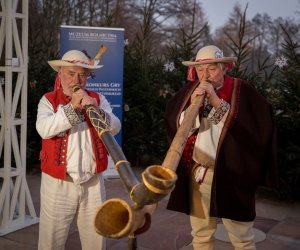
(159, 179)
(113, 219)
(116, 218)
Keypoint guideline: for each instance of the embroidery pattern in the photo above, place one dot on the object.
(217, 116)
(71, 114)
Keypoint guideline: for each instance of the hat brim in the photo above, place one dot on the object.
(56, 64)
(217, 60)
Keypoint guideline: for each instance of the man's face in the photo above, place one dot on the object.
(213, 72)
(70, 76)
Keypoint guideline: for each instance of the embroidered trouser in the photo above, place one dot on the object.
(240, 233)
(63, 201)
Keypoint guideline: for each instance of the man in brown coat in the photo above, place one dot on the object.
(230, 152)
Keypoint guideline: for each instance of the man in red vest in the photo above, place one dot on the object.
(73, 157)
(230, 152)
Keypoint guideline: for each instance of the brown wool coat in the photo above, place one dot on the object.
(246, 154)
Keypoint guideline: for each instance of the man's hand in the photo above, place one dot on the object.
(197, 92)
(207, 88)
(88, 100)
(80, 99)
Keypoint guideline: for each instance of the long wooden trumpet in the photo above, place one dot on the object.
(158, 182)
(115, 218)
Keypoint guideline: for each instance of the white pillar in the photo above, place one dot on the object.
(16, 206)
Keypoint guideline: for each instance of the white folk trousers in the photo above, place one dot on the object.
(240, 233)
(61, 203)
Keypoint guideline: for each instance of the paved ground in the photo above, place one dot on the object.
(277, 226)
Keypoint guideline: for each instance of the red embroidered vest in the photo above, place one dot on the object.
(54, 150)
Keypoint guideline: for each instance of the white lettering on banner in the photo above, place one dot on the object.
(103, 84)
(110, 93)
(107, 89)
(92, 36)
(115, 85)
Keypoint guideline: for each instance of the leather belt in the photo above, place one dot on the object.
(209, 164)
(199, 170)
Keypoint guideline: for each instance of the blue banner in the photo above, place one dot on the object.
(109, 79)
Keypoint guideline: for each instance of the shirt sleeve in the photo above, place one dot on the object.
(50, 123)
